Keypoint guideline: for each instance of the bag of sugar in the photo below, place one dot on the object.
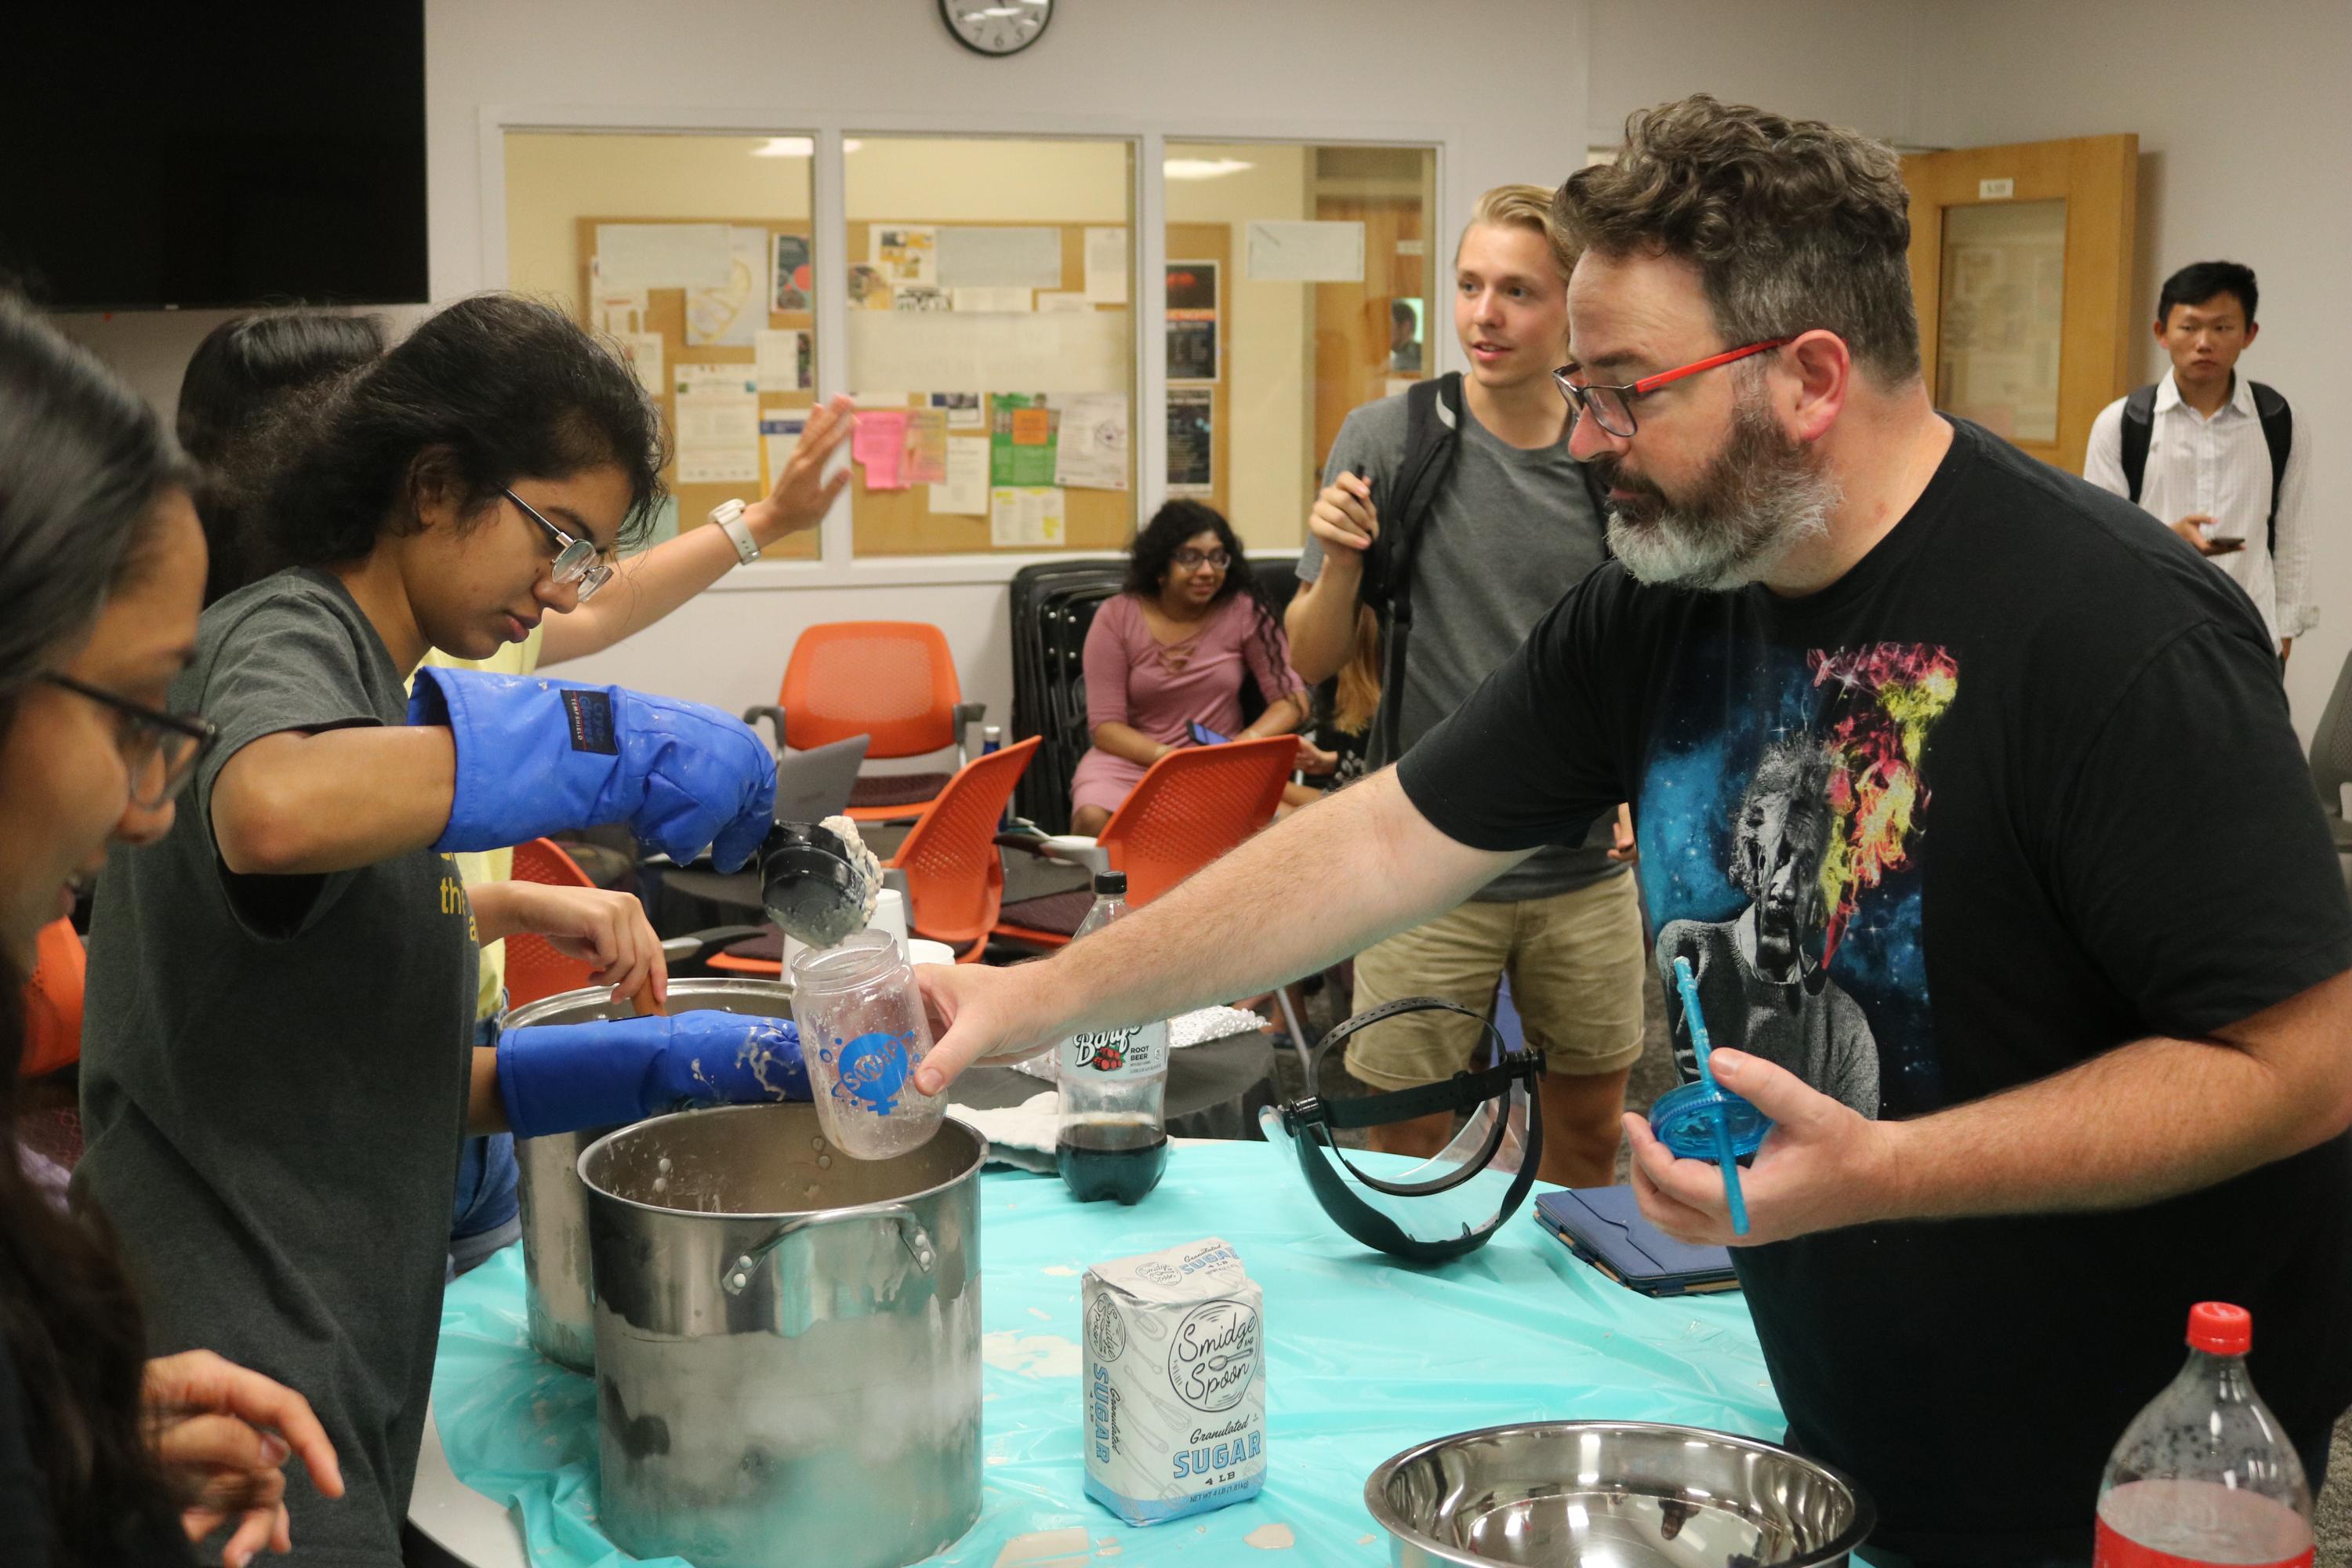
(1175, 1383)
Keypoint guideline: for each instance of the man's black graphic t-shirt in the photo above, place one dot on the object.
(2018, 788)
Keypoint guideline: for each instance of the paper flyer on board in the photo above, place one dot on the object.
(905, 252)
(1021, 446)
(1091, 450)
(1191, 441)
(634, 256)
(927, 447)
(1026, 518)
(972, 256)
(880, 446)
(965, 494)
(1107, 266)
(792, 281)
(717, 424)
(962, 409)
(728, 316)
(783, 358)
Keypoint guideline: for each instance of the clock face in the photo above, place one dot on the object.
(996, 27)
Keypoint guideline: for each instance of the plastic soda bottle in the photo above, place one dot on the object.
(1112, 1142)
(2205, 1474)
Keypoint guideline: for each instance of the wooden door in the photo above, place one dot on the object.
(2021, 264)
(1350, 321)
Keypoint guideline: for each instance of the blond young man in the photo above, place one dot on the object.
(1509, 529)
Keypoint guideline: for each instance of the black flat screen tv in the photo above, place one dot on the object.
(249, 154)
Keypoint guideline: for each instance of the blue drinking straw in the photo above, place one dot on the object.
(1688, 984)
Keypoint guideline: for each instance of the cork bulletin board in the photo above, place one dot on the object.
(665, 315)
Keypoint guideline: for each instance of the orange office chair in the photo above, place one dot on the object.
(53, 1001)
(534, 969)
(954, 877)
(1190, 807)
(892, 680)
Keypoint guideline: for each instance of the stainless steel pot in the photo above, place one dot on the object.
(787, 1341)
(1627, 1494)
(554, 1205)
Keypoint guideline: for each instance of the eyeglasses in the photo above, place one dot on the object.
(1193, 559)
(1612, 407)
(159, 749)
(577, 559)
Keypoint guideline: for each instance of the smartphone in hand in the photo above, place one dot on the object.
(1204, 736)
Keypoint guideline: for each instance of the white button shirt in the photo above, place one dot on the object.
(2220, 467)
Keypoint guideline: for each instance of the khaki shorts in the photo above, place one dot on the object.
(1576, 970)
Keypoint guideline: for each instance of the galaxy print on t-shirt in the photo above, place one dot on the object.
(1786, 814)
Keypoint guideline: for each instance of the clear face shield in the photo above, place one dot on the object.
(1451, 1203)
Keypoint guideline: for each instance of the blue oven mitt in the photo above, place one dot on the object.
(538, 756)
(560, 1077)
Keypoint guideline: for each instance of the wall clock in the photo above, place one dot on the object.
(996, 27)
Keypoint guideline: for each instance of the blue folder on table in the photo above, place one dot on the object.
(1603, 1226)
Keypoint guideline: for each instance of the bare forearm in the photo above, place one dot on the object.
(1128, 743)
(486, 1109)
(2147, 1120)
(644, 589)
(296, 804)
(1281, 717)
(1314, 888)
(501, 909)
(1321, 620)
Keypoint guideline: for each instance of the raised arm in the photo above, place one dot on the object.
(648, 586)
(1316, 887)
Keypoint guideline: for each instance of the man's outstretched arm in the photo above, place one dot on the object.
(1325, 883)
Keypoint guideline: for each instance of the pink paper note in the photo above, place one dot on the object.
(880, 443)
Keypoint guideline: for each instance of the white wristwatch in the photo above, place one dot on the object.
(728, 515)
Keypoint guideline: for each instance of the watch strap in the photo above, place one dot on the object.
(728, 515)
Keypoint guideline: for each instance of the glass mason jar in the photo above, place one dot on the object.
(862, 1034)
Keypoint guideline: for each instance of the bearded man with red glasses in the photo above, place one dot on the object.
(1934, 750)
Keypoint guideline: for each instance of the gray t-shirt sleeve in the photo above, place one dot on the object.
(289, 662)
(1372, 438)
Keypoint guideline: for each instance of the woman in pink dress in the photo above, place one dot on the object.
(1171, 650)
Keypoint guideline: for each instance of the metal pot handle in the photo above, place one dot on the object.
(736, 1278)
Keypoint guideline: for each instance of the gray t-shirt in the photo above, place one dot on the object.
(1507, 535)
(274, 1075)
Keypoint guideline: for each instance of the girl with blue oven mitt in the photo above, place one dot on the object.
(278, 1068)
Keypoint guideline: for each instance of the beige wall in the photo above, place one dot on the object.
(2244, 128)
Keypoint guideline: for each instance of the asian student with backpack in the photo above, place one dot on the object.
(1456, 514)
(2213, 455)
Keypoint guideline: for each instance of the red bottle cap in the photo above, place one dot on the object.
(2220, 1329)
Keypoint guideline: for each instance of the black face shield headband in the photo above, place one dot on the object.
(1435, 1210)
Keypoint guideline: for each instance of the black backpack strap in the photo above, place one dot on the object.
(2139, 425)
(1433, 418)
(2278, 435)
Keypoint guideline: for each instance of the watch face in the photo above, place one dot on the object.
(996, 27)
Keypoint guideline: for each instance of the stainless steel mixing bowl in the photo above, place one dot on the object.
(1623, 1494)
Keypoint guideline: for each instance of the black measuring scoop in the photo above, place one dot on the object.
(816, 885)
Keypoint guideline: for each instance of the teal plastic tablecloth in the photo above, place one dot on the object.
(1365, 1357)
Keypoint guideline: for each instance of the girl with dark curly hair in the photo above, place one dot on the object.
(1170, 652)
